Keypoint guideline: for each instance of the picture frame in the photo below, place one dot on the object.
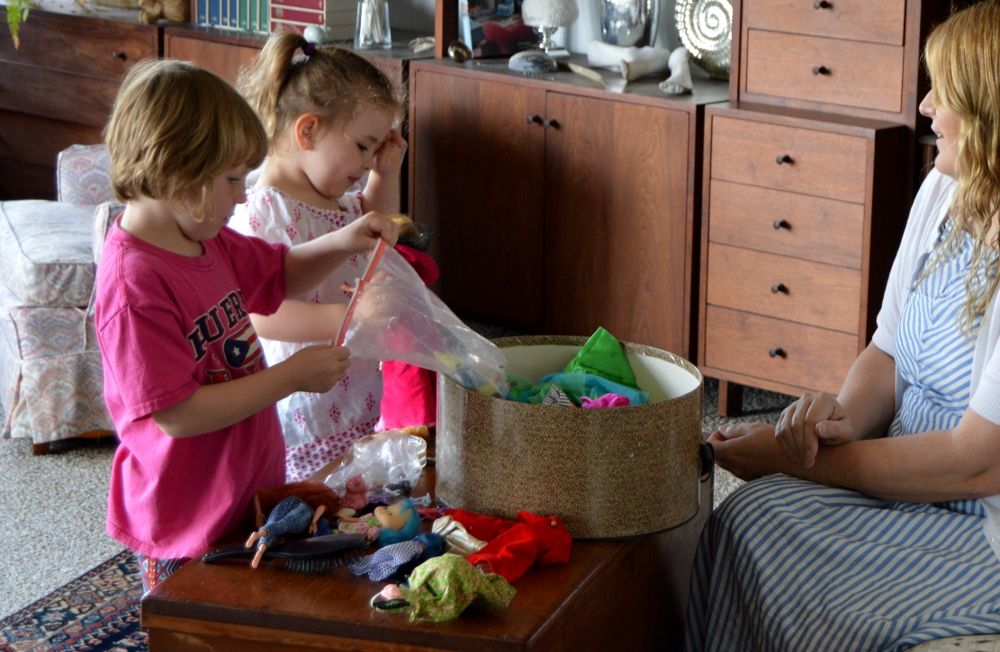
(493, 28)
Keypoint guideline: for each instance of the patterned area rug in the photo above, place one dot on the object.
(98, 611)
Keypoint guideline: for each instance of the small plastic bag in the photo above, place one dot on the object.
(389, 462)
(393, 316)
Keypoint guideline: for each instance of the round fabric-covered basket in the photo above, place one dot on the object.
(606, 473)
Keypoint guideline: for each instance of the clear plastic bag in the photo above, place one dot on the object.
(393, 316)
(389, 462)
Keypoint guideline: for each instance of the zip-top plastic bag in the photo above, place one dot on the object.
(394, 316)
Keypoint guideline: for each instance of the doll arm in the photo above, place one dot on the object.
(313, 527)
(301, 321)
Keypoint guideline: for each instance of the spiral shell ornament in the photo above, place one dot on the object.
(706, 29)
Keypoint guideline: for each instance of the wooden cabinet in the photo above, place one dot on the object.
(225, 55)
(803, 218)
(57, 89)
(559, 207)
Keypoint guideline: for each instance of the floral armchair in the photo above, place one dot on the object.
(50, 367)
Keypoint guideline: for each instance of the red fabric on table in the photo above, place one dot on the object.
(517, 545)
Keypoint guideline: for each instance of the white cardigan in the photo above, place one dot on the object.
(929, 210)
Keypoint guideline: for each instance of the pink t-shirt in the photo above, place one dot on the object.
(166, 325)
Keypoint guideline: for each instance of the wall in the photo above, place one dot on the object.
(418, 15)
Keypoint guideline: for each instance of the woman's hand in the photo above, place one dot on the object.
(815, 418)
(747, 450)
(389, 155)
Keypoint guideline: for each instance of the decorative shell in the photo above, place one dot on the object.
(706, 29)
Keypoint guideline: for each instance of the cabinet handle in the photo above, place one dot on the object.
(776, 352)
(781, 224)
(822, 4)
(535, 119)
(781, 159)
(779, 287)
(118, 54)
(551, 123)
(821, 70)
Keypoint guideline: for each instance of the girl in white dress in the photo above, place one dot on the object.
(331, 118)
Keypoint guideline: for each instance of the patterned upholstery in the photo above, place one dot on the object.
(50, 367)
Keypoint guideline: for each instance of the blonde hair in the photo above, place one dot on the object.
(963, 60)
(291, 77)
(173, 129)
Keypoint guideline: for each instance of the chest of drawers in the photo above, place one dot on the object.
(797, 245)
(57, 90)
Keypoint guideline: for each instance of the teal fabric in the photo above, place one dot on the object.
(602, 355)
(574, 385)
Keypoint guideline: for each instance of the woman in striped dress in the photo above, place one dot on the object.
(874, 521)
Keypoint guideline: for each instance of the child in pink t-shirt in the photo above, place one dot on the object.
(185, 380)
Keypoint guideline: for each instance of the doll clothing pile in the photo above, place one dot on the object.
(441, 588)
(515, 546)
(598, 369)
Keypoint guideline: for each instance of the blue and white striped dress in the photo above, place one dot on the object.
(786, 564)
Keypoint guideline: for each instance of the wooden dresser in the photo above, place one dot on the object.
(809, 175)
(57, 89)
(559, 206)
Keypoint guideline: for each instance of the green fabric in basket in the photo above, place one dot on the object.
(603, 356)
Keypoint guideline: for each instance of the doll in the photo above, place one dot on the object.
(291, 509)
(387, 524)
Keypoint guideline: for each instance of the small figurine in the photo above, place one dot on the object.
(291, 509)
(397, 522)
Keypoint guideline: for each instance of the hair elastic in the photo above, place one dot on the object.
(309, 49)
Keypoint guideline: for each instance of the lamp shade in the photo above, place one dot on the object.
(549, 13)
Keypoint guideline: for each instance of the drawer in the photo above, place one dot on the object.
(860, 20)
(832, 71)
(803, 356)
(82, 100)
(802, 226)
(787, 288)
(790, 158)
(81, 45)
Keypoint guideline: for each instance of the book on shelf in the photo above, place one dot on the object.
(337, 17)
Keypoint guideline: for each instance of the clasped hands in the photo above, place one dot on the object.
(752, 450)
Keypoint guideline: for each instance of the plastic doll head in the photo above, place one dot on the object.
(400, 522)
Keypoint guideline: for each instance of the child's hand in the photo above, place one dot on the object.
(389, 155)
(318, 368)
(362, 234)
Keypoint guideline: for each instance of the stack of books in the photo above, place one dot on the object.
(337, 17)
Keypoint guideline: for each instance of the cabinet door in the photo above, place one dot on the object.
(224, 59)
(618, 221)
(477, 180)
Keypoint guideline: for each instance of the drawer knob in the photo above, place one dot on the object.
(779, 287)
(821, 70)
(781, 159)
(118, 54)
(535, 119)
(776, 352)
(781, 224)
(551, 123)
(822, 4)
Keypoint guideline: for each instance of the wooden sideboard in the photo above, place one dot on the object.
(57, 89)
(558, 206)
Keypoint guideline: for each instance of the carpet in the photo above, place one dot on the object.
(98, 611)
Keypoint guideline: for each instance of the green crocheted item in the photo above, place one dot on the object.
(602, 355)
(442, 587)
